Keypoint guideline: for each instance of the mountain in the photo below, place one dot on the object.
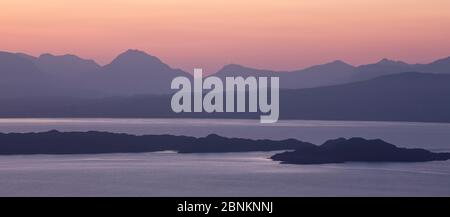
(399, 97)
(383, 67)
(26, 56)
(438, 66)
(233, 70)
(15, 67)
(421, 97)
(135, 72)
(335, 72)
(386, 67)
(20, 77)
(68, 65)
(130, 73)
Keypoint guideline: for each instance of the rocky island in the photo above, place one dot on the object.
(296, 151)
(357, 150)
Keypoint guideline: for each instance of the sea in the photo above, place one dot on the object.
(225, 174)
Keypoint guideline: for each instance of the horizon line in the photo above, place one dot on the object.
(223, 66)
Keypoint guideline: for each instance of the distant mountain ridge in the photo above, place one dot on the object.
(135, 72)
(320, 75)
(336, 72)
(66, 65)
(409, 96)
(20, 77)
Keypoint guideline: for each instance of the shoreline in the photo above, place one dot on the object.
(94, 142)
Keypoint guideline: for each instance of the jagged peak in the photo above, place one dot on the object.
(232, 66)
(386, 61)
(136, 55)
(339, 63)
(67, 57)
(134, 52)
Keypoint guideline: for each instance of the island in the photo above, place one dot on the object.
(357, 150)
(94, 142)
(293, 151)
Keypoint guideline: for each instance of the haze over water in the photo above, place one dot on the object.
(231, 174)
(433, 136)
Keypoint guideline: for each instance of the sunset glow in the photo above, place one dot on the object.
(283, 35)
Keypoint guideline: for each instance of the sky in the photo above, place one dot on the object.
(280, 35)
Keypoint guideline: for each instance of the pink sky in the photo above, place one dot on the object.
(284, 34)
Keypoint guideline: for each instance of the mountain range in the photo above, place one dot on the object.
(132, 72)
(136, 84)
(135, 72)
(409, 96)
(336, 72)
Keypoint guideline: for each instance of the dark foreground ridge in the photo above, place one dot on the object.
(357, 150)
(92, 142)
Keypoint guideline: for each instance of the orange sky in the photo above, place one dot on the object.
(282, 34)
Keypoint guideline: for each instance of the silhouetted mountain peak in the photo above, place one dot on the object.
(338, 64)
(136, 59)
(386, 61)
(16, 65)
(65, 65)
(46, 55)
(66, 58)
(382, 67)
(232, 66)
(52, 132)
(442, 61)
(335, 66)
(27, 56)
(135, 55)
(214, 136)
(136, 72)
(134, 52)
(239, 70)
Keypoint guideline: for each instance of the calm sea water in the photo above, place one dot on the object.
(231, 174)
